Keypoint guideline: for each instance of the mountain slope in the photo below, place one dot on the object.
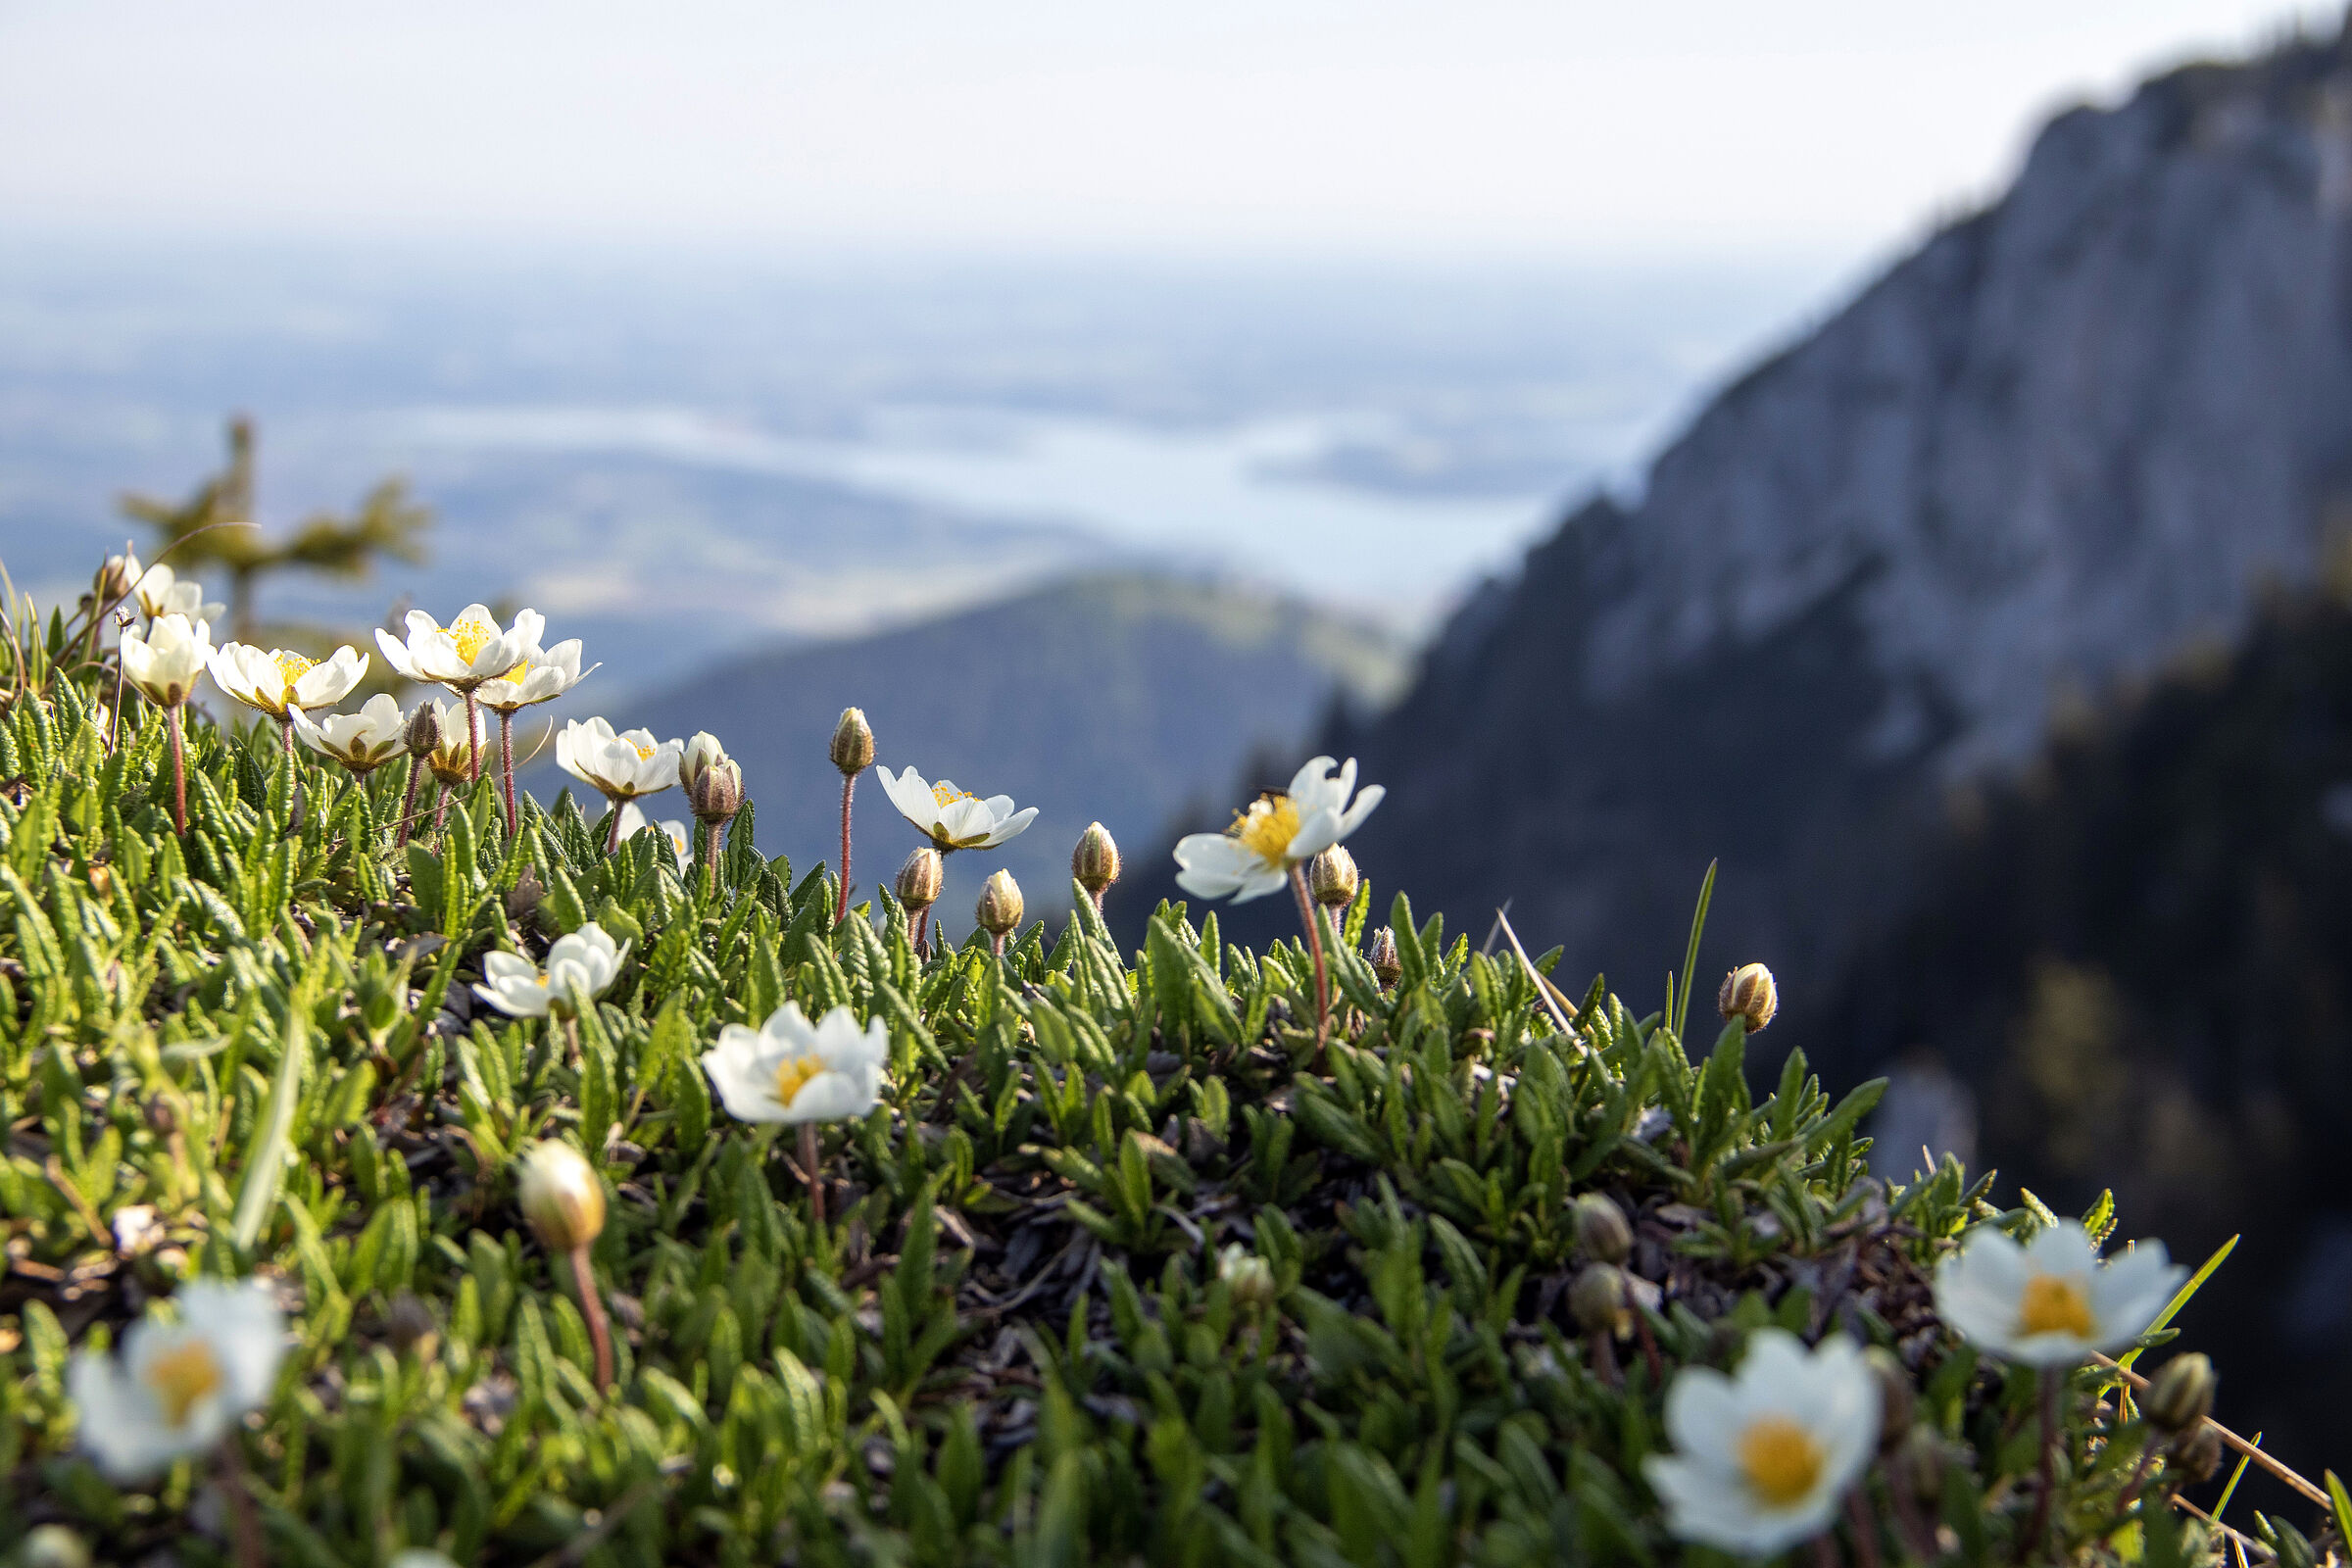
(1116, 697)
(2070, 433)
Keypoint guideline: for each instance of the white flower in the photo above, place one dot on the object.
(792, 1070)
(364, 741)
(176, 1387)
(955, 819)
(465, 654)
(578, 967)
(162, 591)
(1762, 1459)
(620, 766)
(166, 661)
(277, 681)
(543, 675)
(1253, 857)
(634, 820)
(451, 760)
(2052, 1301)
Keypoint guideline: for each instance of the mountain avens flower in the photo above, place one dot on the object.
(620, 766)
(465, 655)
(852, 752)
(545, 674)
(919, 883)
(1332, 877)
(954, 818)
(362, 742)
(580, 966)
(282, 683)
(1763, 1458)
(1271, 840)
(162, 663)
(177, 1388)
(2051, 1301)
(714, 786)
(1276, 834)
(162, 591)
(1748, 995)
(790, 1070)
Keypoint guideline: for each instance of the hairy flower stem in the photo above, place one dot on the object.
(922, 932)
(505, 765)
(474, 740)
(1308, 917)
(2031, 1542)
(440, 811)
(849, 791)
(1863, 1528)
(817, 1187)
(995, 943)
(408, 802)
(1824, 1551)
(245, 1522)
(710, 858)
(612, 839)
(179, 773)
(285, 732)
(592, 1307)
(114, 715)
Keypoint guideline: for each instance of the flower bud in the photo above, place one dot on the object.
(1897, 1399)
(1000, 907)
(1599, 1303)
(1602, 1232)
(117, 578)
(1331, 876)
(523, 900)
(852, 743)
(919, 879)
(1749, 996)
(1387, 966)
(1921, 1459)
(717, 793)
(2180, 1395)
(425, 729)
(2199, 1454)
(52, 1546)
(1094, 862)
(408, 1324)
(562, 1197)
(1250, 1277)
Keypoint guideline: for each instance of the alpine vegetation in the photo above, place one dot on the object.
(403, 1170)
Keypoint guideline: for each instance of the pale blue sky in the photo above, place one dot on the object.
(1469, 127)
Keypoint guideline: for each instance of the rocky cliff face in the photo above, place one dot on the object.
(2068, 435)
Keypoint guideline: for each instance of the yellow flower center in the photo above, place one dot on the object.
(1779, 1460)
(794, 1076)
(181, 1377)
(1268, 827)
(293, 667)
(472, 634)
(645, 752)
(2053, 1304)
(947, 795)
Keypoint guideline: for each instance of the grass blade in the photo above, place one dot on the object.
(1699, 923)
(2181, 1297)
(266, 1166)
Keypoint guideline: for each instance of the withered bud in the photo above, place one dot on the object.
(561, 1196)
(409, 1325)
(2199, 1454)
(852, 743)
(425, 729)
(522, 898)
(1000, 908)
(162, 1120)
(1921, 1459)
(1331, 876)
(1749, 996)
(1250, 1277)
(117, 578)
(716, 794)
(919, 879)
(2180, 1395)
(1601, 1231)
(1094, 862)
(1387, 966)
(1897, 1399)
(1599, 1303)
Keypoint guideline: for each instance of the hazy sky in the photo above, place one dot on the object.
(1460, 127)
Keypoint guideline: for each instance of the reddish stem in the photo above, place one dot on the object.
(849, 789)
(474, 740)
(407, 801)
(592, 1307)
(179, 774)
(1315, 946)
(816, 1188)
(505, 765)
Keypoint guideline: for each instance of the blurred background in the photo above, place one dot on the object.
(1903, 453)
